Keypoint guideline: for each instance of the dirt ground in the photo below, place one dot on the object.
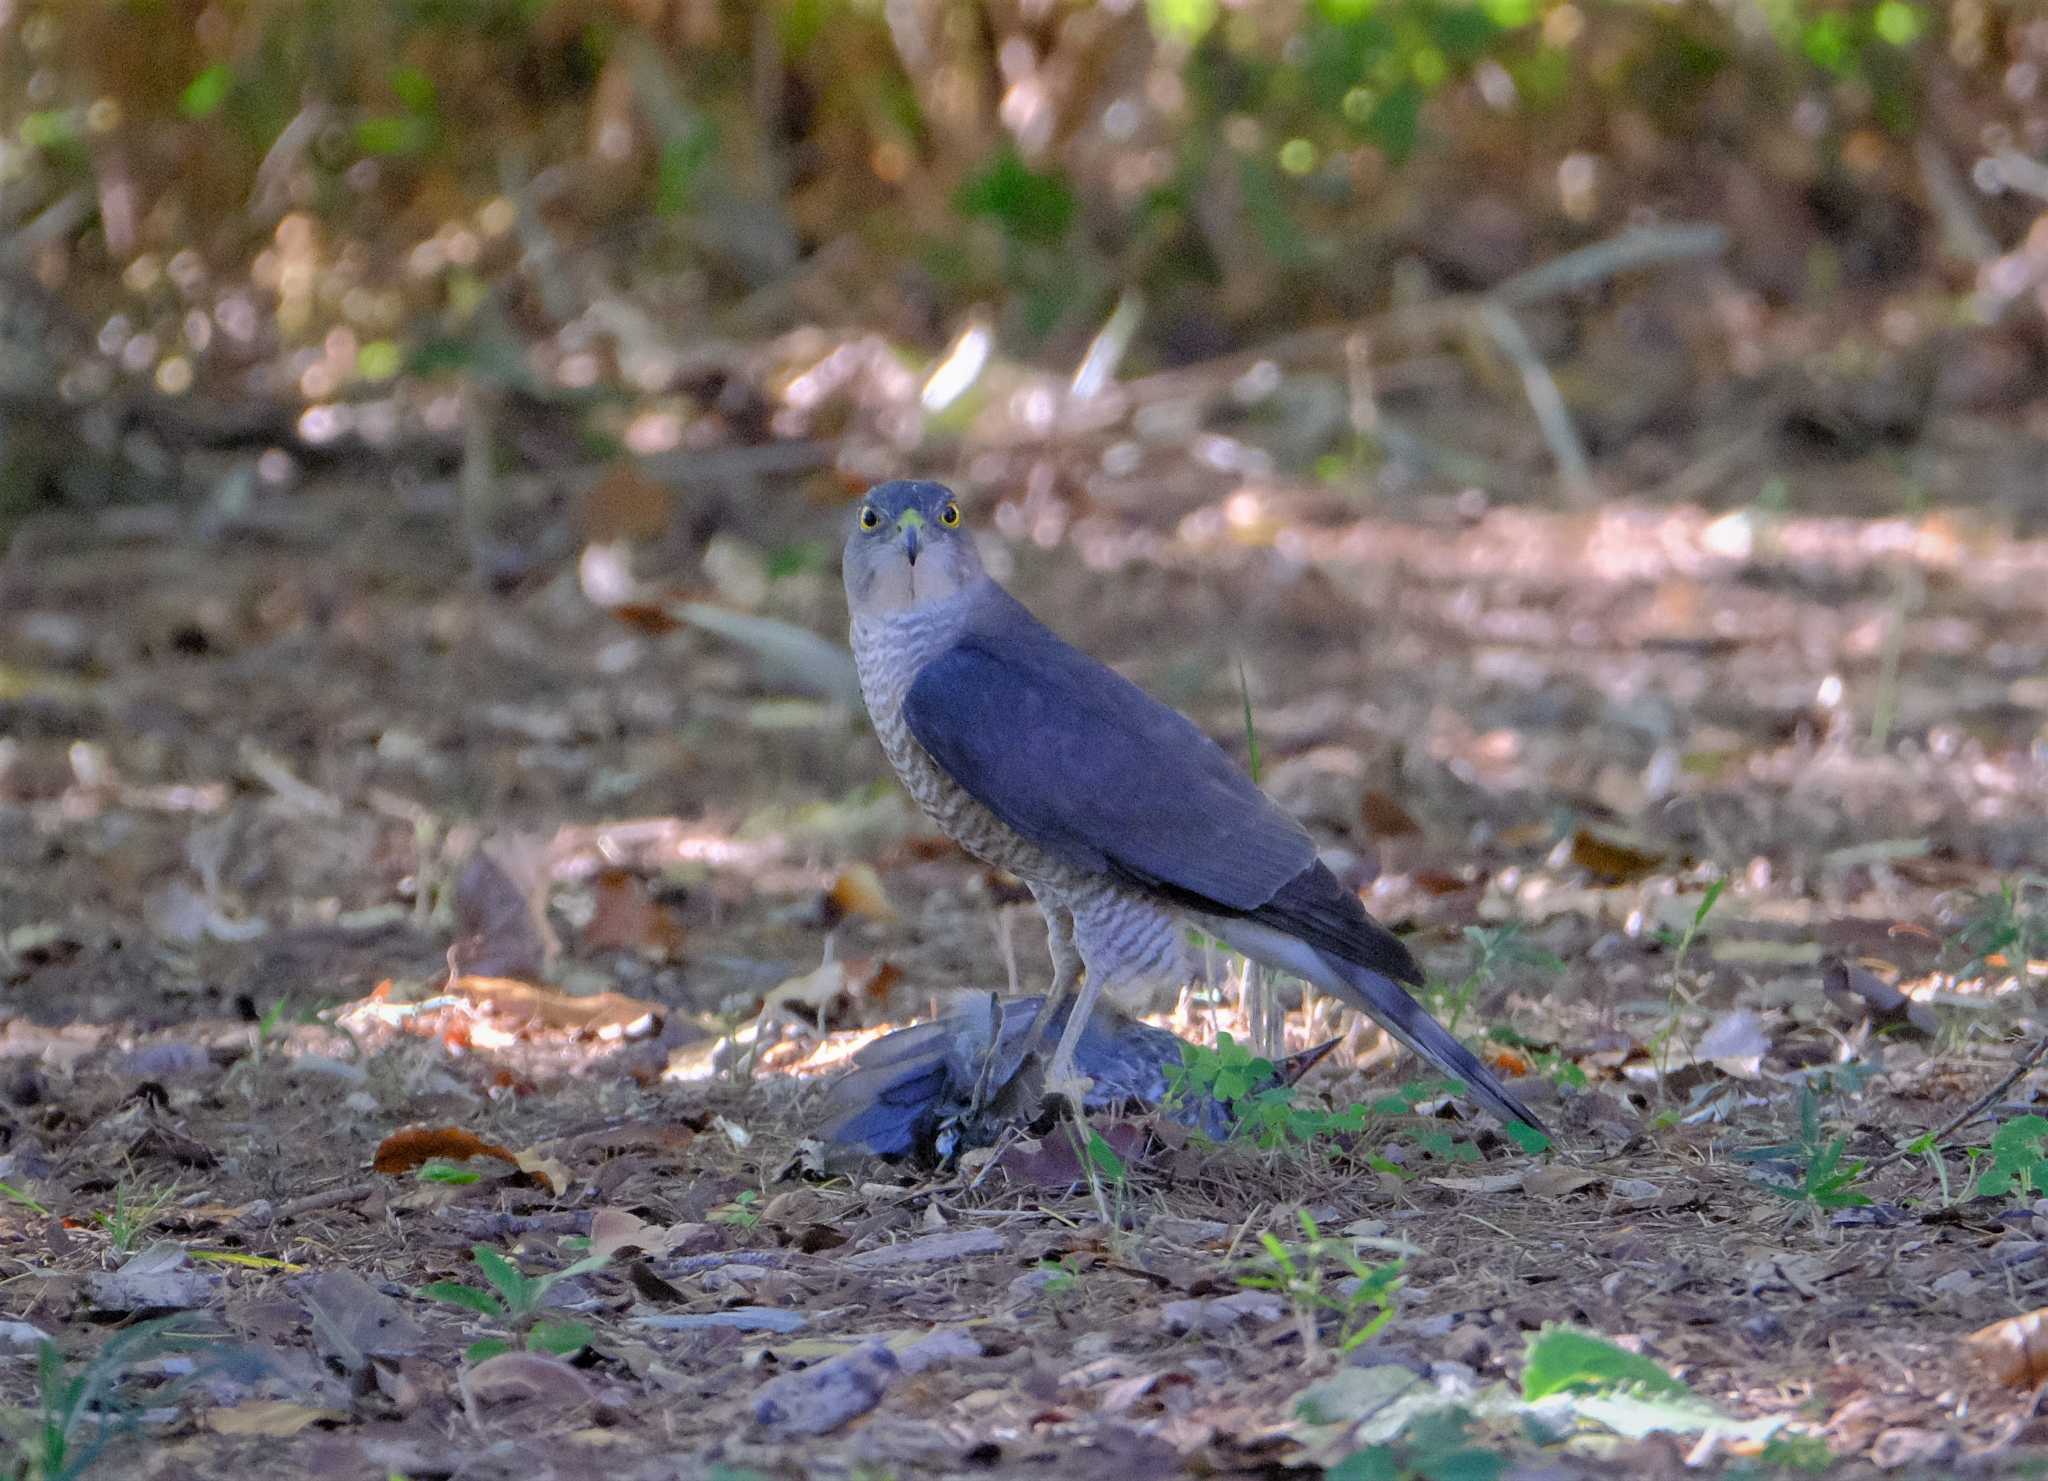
(244, 766)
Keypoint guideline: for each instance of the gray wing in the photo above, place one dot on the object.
(1095, 771)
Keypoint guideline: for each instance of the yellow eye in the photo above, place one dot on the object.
(950, 516)
(870, 517)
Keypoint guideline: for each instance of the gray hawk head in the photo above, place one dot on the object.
(909, 545)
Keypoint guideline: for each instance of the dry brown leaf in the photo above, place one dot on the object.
(1612, 861)
(2013, 1352)
(402, 1151)
(1499, 1182)
(1383, 817)
(625, 504)
(814, 992)
(858, 891)
(606, 1014)
(544, 1169)
(270, 1418)
(501, 926)
(628, 918)
(1557, 1181)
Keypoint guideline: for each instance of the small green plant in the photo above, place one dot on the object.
(79, 1411)
(515, 1299)
(1228, 1073)
(1564, 1360)
(1321, 1275)
(1109, 1176)
(742, 1213)
(1248, 1086)
(1062, 1286)
(134, 1212)
(1494, 948)
(1794, 1451)
(1680, 944)
(2008, 925)
(1436, 1447)
(27, 1200)
(449, 1174)
(2018, 1160)
(1824, 1183)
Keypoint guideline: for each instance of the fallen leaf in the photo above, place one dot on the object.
(1611, 860)
(275, 1419)
(608, 1015)
(544, 1169)
(627, 917)
(1500, 1182)
(1739, 951)
(819, 1399)
(1556, 1181)
(1735, 1043)
(858, 891)
(525, 1377)
(1383, 817)
(625, 504)
(2014, 1351)
(402, 1151)
(501, 925)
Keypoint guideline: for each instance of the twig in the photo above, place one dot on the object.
(1935, 1139)
(1962, 231)
(1553, 417)
(1641, 247)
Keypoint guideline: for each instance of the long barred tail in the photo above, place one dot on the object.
(1389, 1005)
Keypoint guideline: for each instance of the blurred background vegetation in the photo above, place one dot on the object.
(310, 229)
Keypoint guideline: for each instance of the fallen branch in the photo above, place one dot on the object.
(1934, 1140)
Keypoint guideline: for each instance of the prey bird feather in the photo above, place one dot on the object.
(937, 1089)
(1122, 817)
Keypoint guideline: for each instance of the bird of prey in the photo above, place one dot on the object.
(1121, 817)
(937, 1089)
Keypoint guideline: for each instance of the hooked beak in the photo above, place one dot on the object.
(910, 522)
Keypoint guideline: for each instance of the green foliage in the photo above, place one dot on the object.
(1104, 1161)
(449, 1174)
(1435, 1447)
(1495, 949)
(742, 1213)
(515, 1299)
(2018, 1157)
(206, 92)
(79, 1409)
(1226, 1073)
(2007, 925)
(1029, 206)
(1564, 1360)
(136, 1209)
(1320, 1275)
(28, 1201)
(1823, 1181)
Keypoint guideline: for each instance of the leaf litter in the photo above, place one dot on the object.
(1746, 961)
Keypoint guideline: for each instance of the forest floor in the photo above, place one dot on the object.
(1635, 783)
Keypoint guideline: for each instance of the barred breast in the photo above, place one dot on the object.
(889, 653)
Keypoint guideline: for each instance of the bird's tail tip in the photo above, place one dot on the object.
(1407, 1020)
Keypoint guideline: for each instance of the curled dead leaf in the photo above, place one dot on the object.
(858, 891)
(1612, 861)
(2013, 1352)
(402, 1151)
(627, 917)
(544, 1169)
(609, 1015)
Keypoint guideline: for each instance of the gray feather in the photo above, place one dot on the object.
(1095, 771)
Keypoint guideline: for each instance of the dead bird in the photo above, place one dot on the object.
(934, 1090)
